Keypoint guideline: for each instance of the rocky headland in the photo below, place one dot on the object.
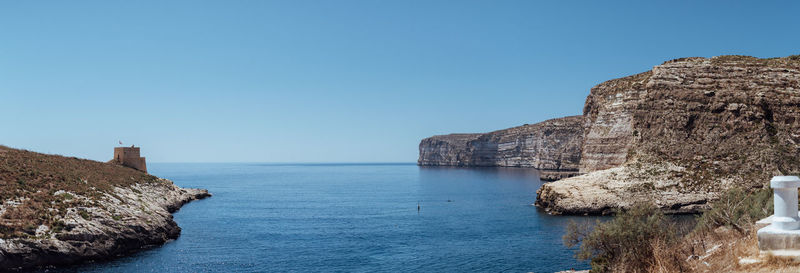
(675, 136)
(59, 210)
(552, 146)
(685, 131)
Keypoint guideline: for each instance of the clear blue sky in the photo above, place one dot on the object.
(334, 81)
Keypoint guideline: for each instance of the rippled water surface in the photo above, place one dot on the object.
(355, 218)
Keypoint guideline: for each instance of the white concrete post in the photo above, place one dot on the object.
(786, 214)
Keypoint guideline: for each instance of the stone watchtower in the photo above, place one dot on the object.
(129, 156)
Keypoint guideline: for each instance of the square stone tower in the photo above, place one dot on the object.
(129, 156)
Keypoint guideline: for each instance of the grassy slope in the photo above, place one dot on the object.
(35, 186)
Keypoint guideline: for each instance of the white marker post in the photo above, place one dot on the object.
(785, 188)
(782, 236)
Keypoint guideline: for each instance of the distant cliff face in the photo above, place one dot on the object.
(446, 150)
(553, 145)
(681, 133)
(675, 136)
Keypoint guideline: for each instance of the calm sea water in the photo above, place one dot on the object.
(355, 218)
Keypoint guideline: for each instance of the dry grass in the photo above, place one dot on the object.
(643, 240)
(667, 257)
(30, 183)
(720, 250)
(775, 262)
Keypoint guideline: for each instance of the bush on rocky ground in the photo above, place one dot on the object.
(643, 239)
(625, 243)
(737, 209)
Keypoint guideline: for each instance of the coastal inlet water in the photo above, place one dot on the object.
(355, 218)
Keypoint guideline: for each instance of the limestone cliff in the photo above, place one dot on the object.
(57, 210)
(681, 133)
(553, 146)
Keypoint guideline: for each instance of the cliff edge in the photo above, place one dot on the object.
(683, 132)
(553, 146)
(59, 210)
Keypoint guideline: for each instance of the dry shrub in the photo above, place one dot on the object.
(735, 246)
(737, 209)
(643, 239)
(724, 234)
(668, 257)
(722, 250)
(625, 243)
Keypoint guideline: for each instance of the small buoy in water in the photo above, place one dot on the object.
(417, 207)
(448, 200)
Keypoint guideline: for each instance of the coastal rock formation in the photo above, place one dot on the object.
(601, 192)
(608, 116)
(553, 146)
(57, 210)
(681, 133)
(446, 150)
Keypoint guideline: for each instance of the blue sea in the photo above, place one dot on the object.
(355, 218)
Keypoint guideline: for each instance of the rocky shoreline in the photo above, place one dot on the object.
(60, 211)
(134, 226)
(680, 134)
(601, 192)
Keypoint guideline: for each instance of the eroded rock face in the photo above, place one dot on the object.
(552, 145)
(696, 125)
(608, 122)
(127, 220)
